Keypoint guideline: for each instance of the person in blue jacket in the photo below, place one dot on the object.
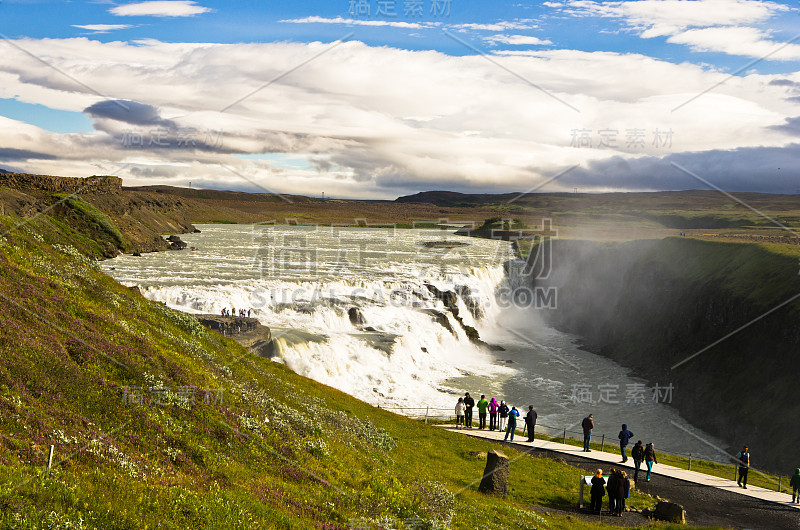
(624, 437)
(513, 414)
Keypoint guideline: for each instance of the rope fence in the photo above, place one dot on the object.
(564, 435)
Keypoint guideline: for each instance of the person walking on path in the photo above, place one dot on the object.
(598, 491)
(650, 458)
(530, 421)
(460, 412)
(503, 411)
(588, 425)
(468, 404)
(512, 423)
(794, 482)
(612, 489)
(743, 458)
(624, 437)
(623, 490)
(637, 453)
(482, 406)
(493, 406)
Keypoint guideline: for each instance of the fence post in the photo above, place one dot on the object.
(602, 443)
(690, 461)
(426, 414)
(779, 483)
(50, 458)
(565, 436)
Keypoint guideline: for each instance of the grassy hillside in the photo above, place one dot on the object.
(157, 422)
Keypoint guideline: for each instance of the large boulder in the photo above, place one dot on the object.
(356, 316)
(669, 511)
(495, 476)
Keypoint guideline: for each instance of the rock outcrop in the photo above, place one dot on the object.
(671, 512)
(495, 475)
(95, 184)
(248, 332)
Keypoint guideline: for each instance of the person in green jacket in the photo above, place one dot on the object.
(482, 406)
(795, 484)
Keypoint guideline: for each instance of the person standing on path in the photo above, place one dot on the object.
(512, 423)
(598, 491)
(468, 404)
(612, 488)
(743, 458)
(637, 453)
(482, 406)
(794, 482)
(460, 412)
(588, 425)
(530, 421)
(493, 406)
(624, 437)
(503, 411)
(650, 458)
(623, 490)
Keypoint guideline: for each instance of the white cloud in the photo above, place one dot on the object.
(503, 25)
(160, 8)
(737, 41)
(517, 40)
(102, 28)
(704, 25)
(384, 121)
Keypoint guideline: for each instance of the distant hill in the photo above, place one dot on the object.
(454, 198)
(223, 195)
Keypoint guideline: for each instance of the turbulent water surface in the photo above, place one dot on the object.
(303, 281)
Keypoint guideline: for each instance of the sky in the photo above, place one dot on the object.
(374, 99)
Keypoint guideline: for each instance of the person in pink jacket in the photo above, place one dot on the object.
(493, 408)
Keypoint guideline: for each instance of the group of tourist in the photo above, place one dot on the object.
(504, 418)
(501, 417)
(618, 487)
(232, 312)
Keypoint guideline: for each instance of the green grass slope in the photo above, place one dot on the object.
(159, 423)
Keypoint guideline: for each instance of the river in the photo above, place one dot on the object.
(302, 281)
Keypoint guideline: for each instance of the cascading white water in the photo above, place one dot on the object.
(402, 352)
(303, 281)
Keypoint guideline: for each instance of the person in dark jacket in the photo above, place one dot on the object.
(650, 458)
(794, 482)
(588, 425)
(624, 437)
(637, 453)
(598, 491)
(623, 489)
(530, 421)
(743, 459)
(469, 403)
(612, 489)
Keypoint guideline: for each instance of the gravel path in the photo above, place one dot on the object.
(705, 506)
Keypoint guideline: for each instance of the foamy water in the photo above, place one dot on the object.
(302, 281)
